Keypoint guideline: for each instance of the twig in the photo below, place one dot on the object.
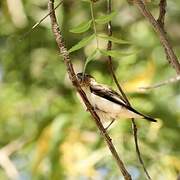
(134, 127)
(5, 161)
(72, 77)
(162, 12)
(39, 22)
(137, 149)
(109, 47)
(161, 19)
(171, 57)
(169, 81)
(94, 24)
(8, 166)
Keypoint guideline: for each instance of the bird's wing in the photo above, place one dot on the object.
(113, 96)
(108, 94)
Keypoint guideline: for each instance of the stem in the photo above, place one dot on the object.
(94, 24)
(169, 81)
(162, 12)
(39, 22)
(72, 76)
(110, 65)
(171, 57)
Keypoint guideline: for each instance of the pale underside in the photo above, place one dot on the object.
(108, 110)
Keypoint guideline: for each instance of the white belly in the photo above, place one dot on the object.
(108, 110)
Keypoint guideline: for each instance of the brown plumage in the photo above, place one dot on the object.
(108, 104)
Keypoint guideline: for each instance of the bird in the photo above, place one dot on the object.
(106, 102)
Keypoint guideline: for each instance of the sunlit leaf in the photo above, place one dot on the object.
(42, 147)
(106, 18)
(141, 79)
(114, 39)
(81, 27)
(81, 43)
(117, 53)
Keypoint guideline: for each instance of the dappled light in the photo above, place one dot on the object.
(45, 132)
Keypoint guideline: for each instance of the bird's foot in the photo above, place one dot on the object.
(109, 124)
(93, 108)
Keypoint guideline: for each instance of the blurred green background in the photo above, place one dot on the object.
(44, 131)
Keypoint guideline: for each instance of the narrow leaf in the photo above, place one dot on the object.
(81, 27)
(114, 39)
(91, 57)
(106, 18)
(81, 43)
(116, 53)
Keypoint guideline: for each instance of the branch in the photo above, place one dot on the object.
(169, 81)
(162, 12)
(109, 47)
(72, 77)
(39, 22)
(134, 127)
(5, 161)
(171, 57)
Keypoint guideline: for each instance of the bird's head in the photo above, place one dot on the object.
(84, 79)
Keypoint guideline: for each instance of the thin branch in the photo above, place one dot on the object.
(39, 22)
(94, 24)
(109, 47)
(72, 77)
(5, 161)
(169, 81)
(162, 12)
(171, 57)
(8, 166)
(134, 127)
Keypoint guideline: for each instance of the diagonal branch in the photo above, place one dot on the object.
(39, 22)
(6, 163)
(72, 77)
(169, 81)
(110, 65)
(171, 57)
(109, 47)
(162, 12)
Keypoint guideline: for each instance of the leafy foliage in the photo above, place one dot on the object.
(106, 18)
(82, 43)
(113, 39)
(81, 27)
(91, 57)
(116, 53)
(40, 109)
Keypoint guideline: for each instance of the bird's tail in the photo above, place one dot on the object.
(149, 118)
(144, 116)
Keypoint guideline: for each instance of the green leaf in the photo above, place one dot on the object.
(106, 18)
(81, 27)
(91, 57)
(116, 53)
(114, 39)
(81, 43)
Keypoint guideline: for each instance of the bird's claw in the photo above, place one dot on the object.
(106, 128)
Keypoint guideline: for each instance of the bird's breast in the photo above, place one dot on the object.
(104, 104)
